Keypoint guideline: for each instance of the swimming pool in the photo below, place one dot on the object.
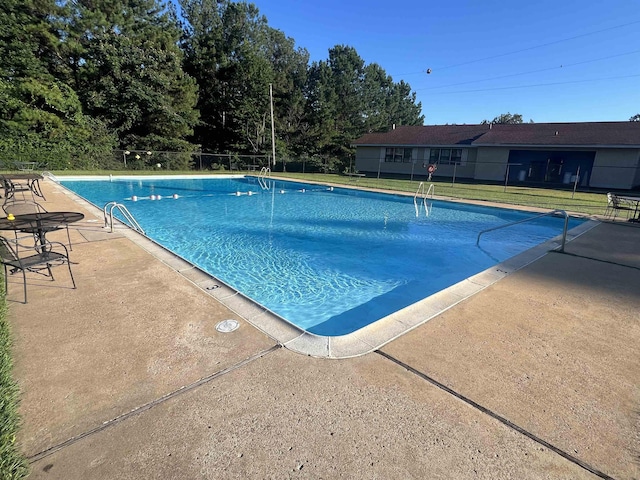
(329, 260)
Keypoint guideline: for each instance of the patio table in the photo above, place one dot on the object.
(40, 223)
(636, 202)
(32, 181)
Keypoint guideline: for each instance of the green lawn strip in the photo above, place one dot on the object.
(13, 464)
(582, 202)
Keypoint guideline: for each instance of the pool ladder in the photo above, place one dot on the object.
(420, 192)
(108, 218)
(262, 177)
(553, 212)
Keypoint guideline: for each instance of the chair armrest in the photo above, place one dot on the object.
(47, 246)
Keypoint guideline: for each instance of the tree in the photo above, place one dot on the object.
(347, 98)
(127, 69)
(235, 56)
(221, 45)
(40, 117)
(505, 118)
(337, 100)
(290, 72)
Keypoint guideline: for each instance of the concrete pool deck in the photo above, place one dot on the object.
(535, 376)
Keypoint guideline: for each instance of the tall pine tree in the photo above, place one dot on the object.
(41, 117)
(124, 60)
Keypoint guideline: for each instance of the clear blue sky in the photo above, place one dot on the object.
(560, 61)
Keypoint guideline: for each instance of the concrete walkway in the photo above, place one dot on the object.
(537, 376)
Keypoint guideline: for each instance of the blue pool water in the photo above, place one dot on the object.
(328, 260)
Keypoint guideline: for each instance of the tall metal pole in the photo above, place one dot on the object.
(575, 184)
(506, 177)
(273, 130)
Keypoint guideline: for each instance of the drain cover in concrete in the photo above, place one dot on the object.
(227, 326)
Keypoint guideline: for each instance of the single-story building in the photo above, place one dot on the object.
(597, 154)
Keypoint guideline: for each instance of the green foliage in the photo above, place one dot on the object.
(127, 68)
(13, 464)
(348, 99)
(40, 116)
(79, 78)
(505, 118)
(225, 51)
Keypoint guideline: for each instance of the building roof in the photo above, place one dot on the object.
(425, 135)
(522, 134)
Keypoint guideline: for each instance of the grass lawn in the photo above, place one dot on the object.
(590, 203)
(13, 465)
(583, 202)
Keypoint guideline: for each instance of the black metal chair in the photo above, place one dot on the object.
(22, 207)
(615, 204)
(42, 258)
(10, 189)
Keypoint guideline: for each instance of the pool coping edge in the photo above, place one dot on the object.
(357, 343)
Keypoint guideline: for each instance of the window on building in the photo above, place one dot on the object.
(446, 156)
(398, 155)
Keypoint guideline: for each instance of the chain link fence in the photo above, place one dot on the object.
(228, 162)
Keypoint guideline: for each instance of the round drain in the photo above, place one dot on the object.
(227, 326)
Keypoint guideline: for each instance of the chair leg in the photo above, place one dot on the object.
(71, 273)
(50, 272)
(69, 238)
(24, 280)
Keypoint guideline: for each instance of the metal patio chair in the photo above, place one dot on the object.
(10, 189)
(614, 205)
(42, 257)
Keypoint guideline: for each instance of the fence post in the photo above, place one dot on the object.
(506, 177)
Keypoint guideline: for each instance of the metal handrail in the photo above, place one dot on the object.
(553, 212)
(108, 221)
(50, 175)
(420, 190)
(264, 173)
(431, 190)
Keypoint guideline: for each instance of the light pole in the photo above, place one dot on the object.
(273, 130)
(124, 157)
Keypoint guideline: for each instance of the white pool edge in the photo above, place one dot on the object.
(360, 342)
